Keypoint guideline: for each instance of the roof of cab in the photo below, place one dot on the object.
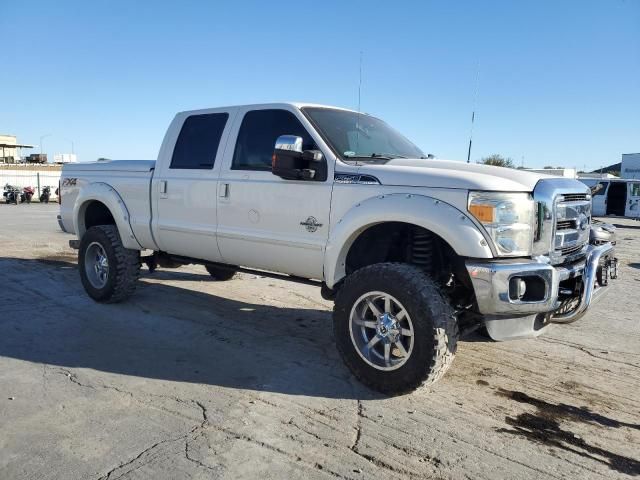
(267, 105)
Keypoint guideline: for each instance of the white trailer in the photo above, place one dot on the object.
(65, 158)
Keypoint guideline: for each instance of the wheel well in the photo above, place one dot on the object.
(412, 244)
(97, 213)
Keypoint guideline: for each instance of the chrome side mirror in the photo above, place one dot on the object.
(290, 143)
(291, 162)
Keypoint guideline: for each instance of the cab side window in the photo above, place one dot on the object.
(258, 134)
(600, 188)
(198, 141)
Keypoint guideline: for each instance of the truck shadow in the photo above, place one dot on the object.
(169, 333)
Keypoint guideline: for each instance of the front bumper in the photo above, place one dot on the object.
(493, 283)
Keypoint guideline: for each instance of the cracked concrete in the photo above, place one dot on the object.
(197, 379)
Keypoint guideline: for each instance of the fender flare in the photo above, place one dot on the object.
(106, 194)
(452, 225)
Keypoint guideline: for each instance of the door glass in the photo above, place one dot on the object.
(258, 134)
(635, 189)
(600, 188)
(197, 144)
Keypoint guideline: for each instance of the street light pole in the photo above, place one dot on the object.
(70, 141)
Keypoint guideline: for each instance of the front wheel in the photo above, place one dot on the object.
(393, 328)
(108, 271)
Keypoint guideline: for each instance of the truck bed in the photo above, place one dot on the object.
(112, 166)
(131, 179)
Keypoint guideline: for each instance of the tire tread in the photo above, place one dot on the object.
(445, 326)
(127, 266)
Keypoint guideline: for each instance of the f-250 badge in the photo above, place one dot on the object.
(311, 224)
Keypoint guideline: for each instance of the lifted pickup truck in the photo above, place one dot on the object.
(412, 249)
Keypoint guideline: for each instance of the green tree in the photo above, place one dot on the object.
(497, 161)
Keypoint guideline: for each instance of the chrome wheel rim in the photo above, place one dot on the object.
(96, 265)
(381, 331)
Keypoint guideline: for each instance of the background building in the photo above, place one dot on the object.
(10, 149)
(556, 172)
(65, 158)
(630, 167)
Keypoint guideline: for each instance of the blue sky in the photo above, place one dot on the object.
(559, 81)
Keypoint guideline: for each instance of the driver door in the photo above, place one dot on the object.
(264, 221)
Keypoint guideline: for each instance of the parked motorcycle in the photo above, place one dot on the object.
(45, 195)
(27, 194)
(11, 194)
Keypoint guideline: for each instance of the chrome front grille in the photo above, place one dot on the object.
(565, 224)
(563, 219)
(573, 197)
(573, 221)
(571, 250)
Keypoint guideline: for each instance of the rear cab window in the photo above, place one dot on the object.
(198, 141)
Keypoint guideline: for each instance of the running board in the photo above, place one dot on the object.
(262, 273)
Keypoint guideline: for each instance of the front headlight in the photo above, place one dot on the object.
(508, 218)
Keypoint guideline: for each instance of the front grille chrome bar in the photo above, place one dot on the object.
(563, 220)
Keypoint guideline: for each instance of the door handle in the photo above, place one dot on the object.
(163, 186)
(224, 190)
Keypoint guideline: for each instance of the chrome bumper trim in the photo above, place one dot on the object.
(491, 284)
(590, 291)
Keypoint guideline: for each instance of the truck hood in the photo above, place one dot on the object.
(452, 174)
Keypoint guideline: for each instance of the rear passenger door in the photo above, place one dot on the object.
(185, 182)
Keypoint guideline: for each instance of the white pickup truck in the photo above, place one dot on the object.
(412, 249)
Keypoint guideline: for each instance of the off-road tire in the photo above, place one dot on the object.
(220, 273)
(434, 323)
(124, 265)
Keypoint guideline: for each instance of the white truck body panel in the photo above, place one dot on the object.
(259, 218)
(438, 173)
(185, 214)
(253, 218)
(128, 178)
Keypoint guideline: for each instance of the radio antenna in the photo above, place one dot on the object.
(358, 117)
(473, 111)
(360, 81)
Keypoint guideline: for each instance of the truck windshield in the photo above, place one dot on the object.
(360, 137)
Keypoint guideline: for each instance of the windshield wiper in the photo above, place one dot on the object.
(377, 156)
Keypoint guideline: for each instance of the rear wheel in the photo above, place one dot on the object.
(108, 271)
(393, 328)
(220, 273)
